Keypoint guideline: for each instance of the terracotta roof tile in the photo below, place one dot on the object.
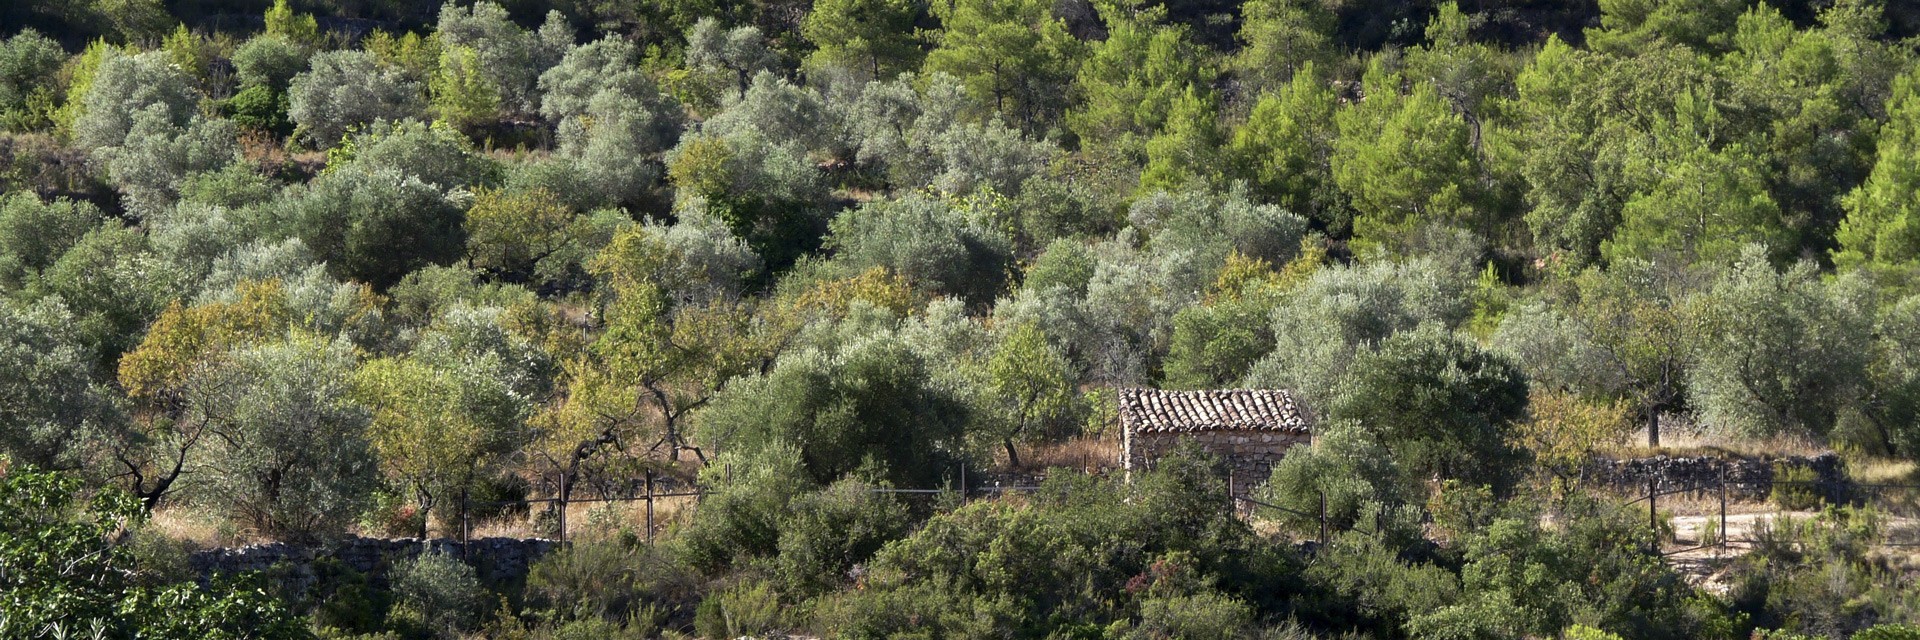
(1158, 411)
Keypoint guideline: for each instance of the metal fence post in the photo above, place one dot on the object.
(1323, 516)
(1724, 533)
(563, 507)
(649, 508)
(1653, 512)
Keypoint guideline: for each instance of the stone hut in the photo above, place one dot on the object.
(1250, 429)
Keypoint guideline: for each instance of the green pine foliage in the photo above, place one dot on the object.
(869, 275)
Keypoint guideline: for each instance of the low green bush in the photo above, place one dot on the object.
(1793, 488)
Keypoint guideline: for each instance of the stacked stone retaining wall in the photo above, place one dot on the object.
(1747, 478)
(496, 561)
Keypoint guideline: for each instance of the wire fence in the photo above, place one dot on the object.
(1704, 509)
(648, 491)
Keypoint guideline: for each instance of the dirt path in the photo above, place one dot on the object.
(1705, 567)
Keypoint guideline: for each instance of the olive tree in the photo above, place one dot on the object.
(34, 233)
(1440, 404)
(268, 61)
(935, 244)
(740, 52)
(375, 225)
(345, 89)
(28, 63)
(156, 155)
(292, 458)
(50, 407)
(1322, 327)
(1781, 350)
(510, 58)
(124, 86)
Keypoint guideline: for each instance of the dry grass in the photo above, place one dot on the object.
(198, 529)
(1869, 470)
(1680, 442)
(592, 519)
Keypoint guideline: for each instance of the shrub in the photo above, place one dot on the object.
(268, 62)
(611, 580)
(832, 530)
(1793, 488)
(1889, 632)
(438, 592)
(1203, 615)
(748, 609)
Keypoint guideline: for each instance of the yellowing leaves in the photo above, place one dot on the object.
(185, 339)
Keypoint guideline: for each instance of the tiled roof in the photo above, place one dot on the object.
(1157, 411)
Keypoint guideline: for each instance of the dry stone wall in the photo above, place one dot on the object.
(1250, 455)
(1747, 478)
(497, 561)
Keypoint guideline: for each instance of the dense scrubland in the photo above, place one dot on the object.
(338, 267)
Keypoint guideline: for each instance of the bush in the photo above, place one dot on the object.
(438, 592)
(1794, 488)
(831, 531)
(1203, 615)
(749, 609)
(1889, 632)
(608, 580)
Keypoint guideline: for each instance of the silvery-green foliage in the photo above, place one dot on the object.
(511, 58)
(943, 332)
(158, 154)
(441, 591)
(114, 284)
(436, 155)
(1554, 350)
(1115, 325)
(470, 337)
(28, 62)
(122, 88)
(934, 244)
(345, 89)
(610, 63)
(1130, 307)
(1783, 350)
(34, 234)
(779, 110)
(1058, 310)
(741, 51)
(374, 225)
(881, 123)
(716, 263)
(237, 185)
(50, 406)
(1894, 401)
(762, 168)
(1897, 332)
(921, 138)
(318, 302)
(978, 157)
(610, 150)
(291, 458)
(261, 260)
(1213, 225)
(1338, 313)
(193, 236)
(268, 60)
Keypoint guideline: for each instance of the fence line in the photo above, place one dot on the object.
(1236, 502)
